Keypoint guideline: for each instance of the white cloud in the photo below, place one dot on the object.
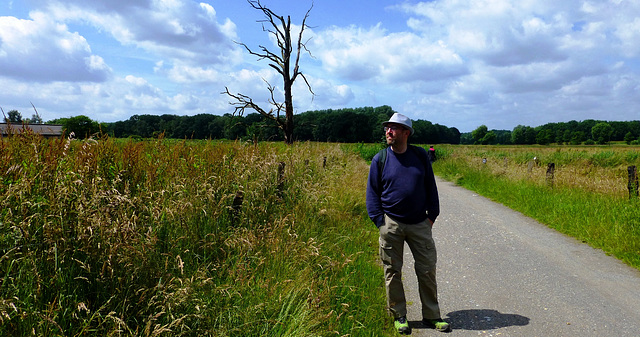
(456, 63)
(350, 52)
(184, 73)
(184, 102)
(177, 29)
(253, 83)
(629, 35)
(327, 94)
(357, 54)
(42, 50)
(522, 55)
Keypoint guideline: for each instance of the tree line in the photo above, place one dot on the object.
(586, 132)
(351, 125)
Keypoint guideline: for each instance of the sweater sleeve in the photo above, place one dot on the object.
(374, 193)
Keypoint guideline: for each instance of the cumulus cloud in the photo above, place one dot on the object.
(502, 33)
(457, 63)
(178, 29)
(629, 34)
(359, 54)
(42, 50)
(326, 94)
(184, 73)
(253, 83)
(525, 55)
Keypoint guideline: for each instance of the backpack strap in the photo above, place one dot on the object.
(382, 159)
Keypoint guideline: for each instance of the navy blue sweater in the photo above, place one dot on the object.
(406, 190)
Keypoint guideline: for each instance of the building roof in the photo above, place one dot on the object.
(46, 130)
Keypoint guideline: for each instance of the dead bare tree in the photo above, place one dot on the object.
(281, 29)
(36, 119)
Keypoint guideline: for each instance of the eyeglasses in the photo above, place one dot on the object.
(393, 128)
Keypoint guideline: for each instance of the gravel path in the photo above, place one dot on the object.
(503, 274)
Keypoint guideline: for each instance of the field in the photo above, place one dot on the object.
(597, 169)
(215, 238)
(185, 238)
(586, 196)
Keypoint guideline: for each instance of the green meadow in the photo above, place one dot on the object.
(112, 237)
(586, 194)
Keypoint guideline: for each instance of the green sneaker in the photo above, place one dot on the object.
(402, 325)
(437, 324)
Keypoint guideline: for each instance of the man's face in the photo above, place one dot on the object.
(396, 134)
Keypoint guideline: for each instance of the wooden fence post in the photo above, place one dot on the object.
(551, 169)
(237, 204)
(633, 181)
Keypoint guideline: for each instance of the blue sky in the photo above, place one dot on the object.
(499, 63)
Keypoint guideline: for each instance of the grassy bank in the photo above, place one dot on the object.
(193, 238)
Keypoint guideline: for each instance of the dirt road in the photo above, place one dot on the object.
(503, 274)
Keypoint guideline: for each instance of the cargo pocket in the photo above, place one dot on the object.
(423, 247)
(388, 241)
(385, 252)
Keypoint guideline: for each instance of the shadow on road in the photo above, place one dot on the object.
(483, 319)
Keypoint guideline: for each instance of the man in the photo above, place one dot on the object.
(432, 154)
(402, 201)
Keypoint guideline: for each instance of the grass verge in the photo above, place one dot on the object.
(185, 238)
(605, 218)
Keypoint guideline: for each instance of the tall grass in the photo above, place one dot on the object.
(111, 237)
(587, 198)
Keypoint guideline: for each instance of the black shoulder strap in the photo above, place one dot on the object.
(382, 159)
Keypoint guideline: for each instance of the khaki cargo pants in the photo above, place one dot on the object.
(418, 237)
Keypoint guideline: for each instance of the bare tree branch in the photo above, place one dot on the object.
(37, 114)
(282, 63)
(6, 120)
(301, 46)
(313, 94)
(244, 102)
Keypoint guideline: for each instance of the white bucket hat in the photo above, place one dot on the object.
(401, 119)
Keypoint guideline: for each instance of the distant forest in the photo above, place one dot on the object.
(573, 132)
(364, 125)
(357, 125)
(343, 126)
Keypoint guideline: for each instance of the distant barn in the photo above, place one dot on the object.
(46, 130)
